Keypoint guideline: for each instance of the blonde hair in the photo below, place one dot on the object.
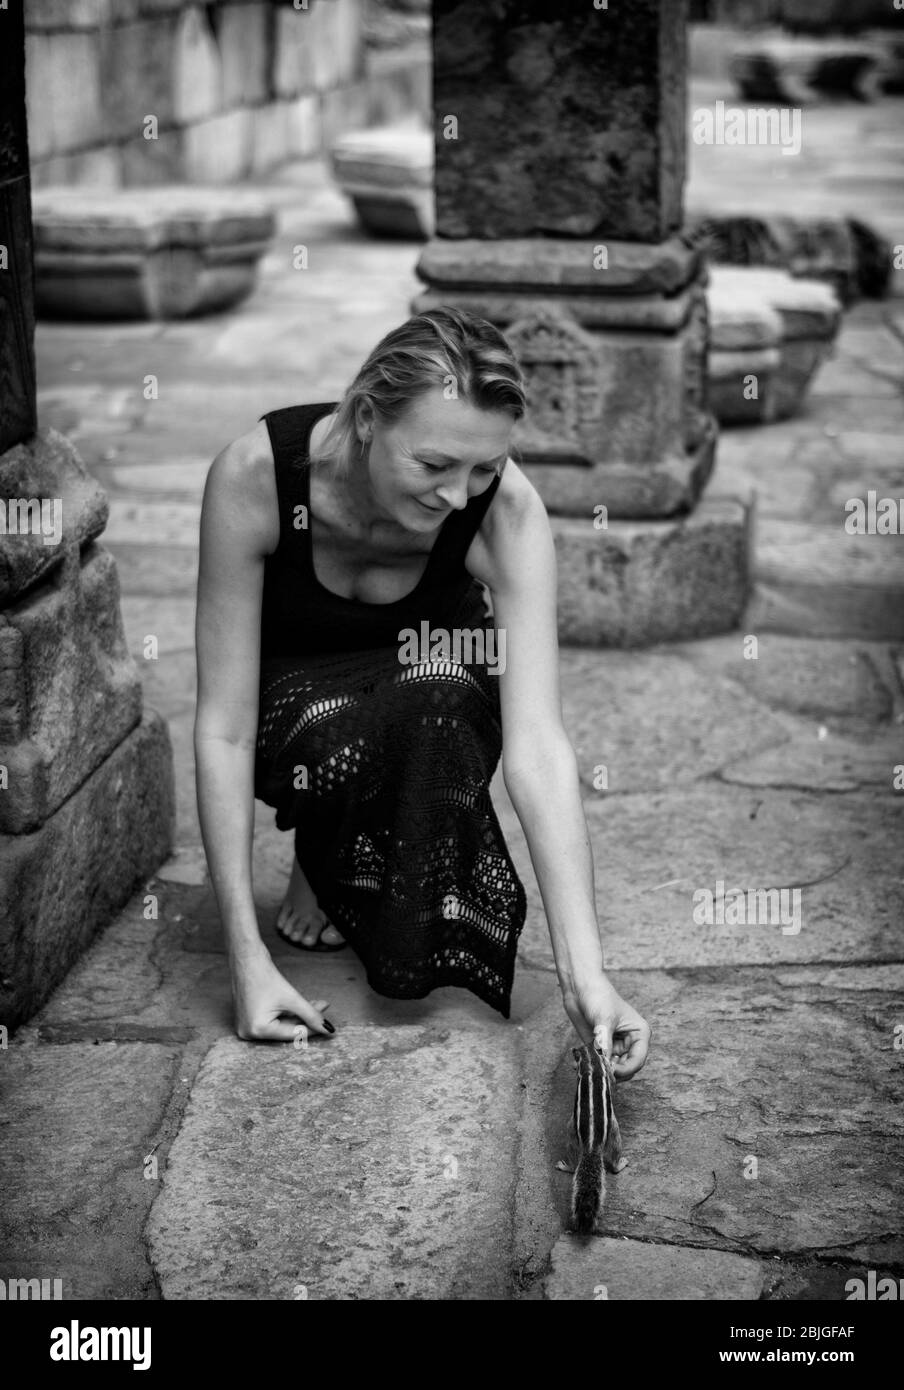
(435, 348)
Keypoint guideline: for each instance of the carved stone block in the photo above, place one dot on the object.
(161, 252)
(60, 885)
(68, 685)
(769, 334)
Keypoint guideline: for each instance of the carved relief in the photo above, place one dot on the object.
(561, 368)
(696, 355)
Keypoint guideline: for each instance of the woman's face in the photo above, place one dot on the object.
(441, 453)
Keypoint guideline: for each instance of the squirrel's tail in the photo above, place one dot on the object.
(587, 1189)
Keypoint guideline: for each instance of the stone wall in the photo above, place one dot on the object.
(129, 92)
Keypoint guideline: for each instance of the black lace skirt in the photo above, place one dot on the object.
(383, 770)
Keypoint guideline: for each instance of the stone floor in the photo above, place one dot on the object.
(149, 1153)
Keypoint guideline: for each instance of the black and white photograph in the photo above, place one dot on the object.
(452, 666)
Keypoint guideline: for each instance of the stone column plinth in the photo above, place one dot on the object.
(87, 803)
(612, 338)
(559, 136)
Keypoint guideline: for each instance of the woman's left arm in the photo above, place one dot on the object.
(516, 560)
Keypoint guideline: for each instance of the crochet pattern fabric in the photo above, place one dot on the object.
(383, 769)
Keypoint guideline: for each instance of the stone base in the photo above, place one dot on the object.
(633, 584)
(62, 884)
(769, 333)
(159, 253)
(407, 213)
(731, 388)
(663, 487)
(388, 175)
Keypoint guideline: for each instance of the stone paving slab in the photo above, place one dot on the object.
(100, 407)
(846, 685)
(78, 1122)
(654, 851)
(175, 478)
(826, 763)
(868, 450)
(174, 425)
(828, 412)
(181, 729)
(820, 581)
(170, 682)
(797, 1071)
(376, 1165)
(692, 722)
(811, 1280)
(155, 571)
(173, 624)
(139, 976)
(603, 1269)
(147, 523)
(809, 480)
(772, 482)
(844, 375)
(144, 975)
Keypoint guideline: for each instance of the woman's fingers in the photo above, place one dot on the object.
(631, 1048)
(280, 1030)
(310, 1013)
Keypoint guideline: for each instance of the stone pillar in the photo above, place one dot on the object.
(86, 783)
(18, 417)
(560, 139)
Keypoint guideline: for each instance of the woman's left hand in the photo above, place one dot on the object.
(595, 1006)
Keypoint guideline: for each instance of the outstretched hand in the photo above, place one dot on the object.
(262, 995)
(600, 1014)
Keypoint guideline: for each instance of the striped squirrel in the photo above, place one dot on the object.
(593, 1134)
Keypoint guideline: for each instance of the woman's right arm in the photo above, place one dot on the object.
(239, 527)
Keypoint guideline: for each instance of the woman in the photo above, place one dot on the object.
(330, 535)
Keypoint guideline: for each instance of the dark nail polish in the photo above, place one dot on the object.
(328, 1026)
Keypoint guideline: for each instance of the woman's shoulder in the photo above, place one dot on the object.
(513, 523)
(241, 482)
(516, 502)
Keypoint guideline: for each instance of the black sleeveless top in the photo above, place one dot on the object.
(300, 616)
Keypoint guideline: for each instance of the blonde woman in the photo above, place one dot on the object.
(330, 533)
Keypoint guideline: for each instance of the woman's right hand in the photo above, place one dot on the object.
(261, 994)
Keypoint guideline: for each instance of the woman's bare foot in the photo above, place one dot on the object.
(301, 920)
